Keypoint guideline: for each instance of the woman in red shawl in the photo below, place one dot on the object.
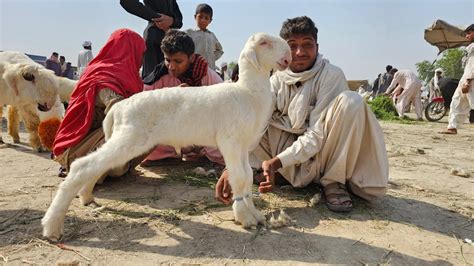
(110, 77)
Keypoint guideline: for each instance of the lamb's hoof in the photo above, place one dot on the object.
(39, 149)
(86, 199)
(259, 217)
(52, 229)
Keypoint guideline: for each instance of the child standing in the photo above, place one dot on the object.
(205, 41)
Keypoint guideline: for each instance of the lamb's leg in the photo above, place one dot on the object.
(13, 123)
(116, 151)
(237, 179)
(31, 123)
(248, 189)
(1, 124)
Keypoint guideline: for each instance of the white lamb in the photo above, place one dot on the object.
(230, 116)
(38, 88)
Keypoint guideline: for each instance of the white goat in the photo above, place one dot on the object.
(230, 116)
(29, 88)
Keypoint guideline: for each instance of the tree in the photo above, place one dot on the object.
(425, 70)
(450, 62)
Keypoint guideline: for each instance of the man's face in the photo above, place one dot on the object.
(304, 51)
(177, 63)
(62, 60)
(438, 74)
(203, 20)
(470, 36)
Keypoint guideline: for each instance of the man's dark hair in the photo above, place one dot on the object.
(55, 54)
(177, 41)
(204, 8)
(388, 68)
(299, 25)
(62, 57)
(393, 71)
(469, 28)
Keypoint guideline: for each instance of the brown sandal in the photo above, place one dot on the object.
(337, 198)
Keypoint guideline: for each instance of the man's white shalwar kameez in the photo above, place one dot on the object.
(462, 103)
(411, 85)
(321, 132)
(83, 59)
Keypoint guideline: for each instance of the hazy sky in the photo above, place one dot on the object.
(360, 36)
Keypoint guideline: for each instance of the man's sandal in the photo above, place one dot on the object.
(337, 198)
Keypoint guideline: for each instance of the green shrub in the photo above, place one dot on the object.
(383, 108)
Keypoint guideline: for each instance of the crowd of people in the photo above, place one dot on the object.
(405, 89)
(319, 131)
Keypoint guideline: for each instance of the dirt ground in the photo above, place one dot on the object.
(169, 215)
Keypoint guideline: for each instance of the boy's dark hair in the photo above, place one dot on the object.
(299, 25)
(388, 68)
(469, 28)
(62, 57)
(177, 41)
(393, 71)
(55, 54)
(204, 8)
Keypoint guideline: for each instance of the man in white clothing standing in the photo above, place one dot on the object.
(85, 56)
(463, 97)
(411, 85)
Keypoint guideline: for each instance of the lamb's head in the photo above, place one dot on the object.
(32, 84)
(265, 52)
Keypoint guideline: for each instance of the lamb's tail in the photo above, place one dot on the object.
(108, 124)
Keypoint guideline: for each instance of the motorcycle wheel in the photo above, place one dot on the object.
(435, 111)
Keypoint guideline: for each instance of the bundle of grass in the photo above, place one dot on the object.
(383, 108)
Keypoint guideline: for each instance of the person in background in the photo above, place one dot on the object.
(235, 73)
(463, 98)
(205, 41)
(411, 85)
(84, 57)
(224, 71)
(435, 91)
(161, 16)
(68, 72)
(52, 63)
(62, 63)
(385, 80)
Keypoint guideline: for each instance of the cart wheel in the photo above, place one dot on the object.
(435, 111)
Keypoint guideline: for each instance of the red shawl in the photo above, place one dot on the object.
(115, 67)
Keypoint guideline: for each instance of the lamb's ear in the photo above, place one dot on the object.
(10, 77)
(251, 55)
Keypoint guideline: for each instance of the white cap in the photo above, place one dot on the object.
(223, 64)
(86, 43)
(439, 70)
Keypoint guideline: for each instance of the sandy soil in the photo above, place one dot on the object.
(168, 215)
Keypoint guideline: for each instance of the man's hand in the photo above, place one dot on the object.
(223, 189)
(163, 22)
(465, 87)
(269, 168)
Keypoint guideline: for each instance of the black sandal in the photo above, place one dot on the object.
(337, 198)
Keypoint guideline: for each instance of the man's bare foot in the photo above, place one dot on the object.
(450, 131)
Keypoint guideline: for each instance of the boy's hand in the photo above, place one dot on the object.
(163, 22)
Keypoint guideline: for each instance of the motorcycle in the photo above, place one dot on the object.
(438, 107)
